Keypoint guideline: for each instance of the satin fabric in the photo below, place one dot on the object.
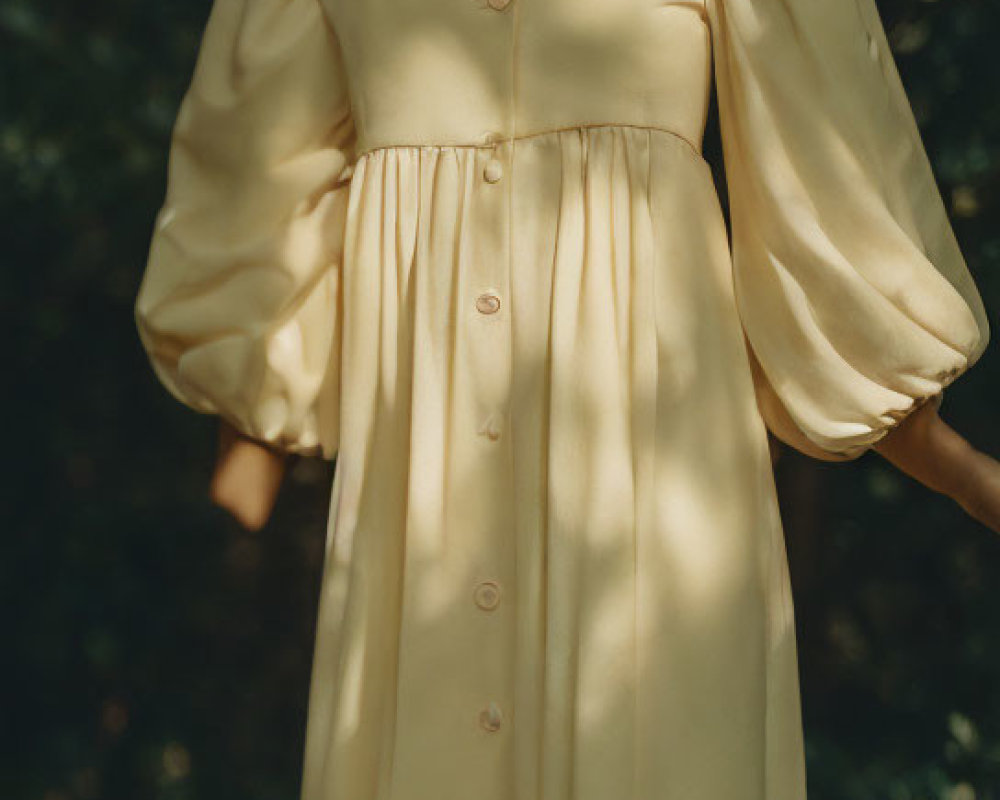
(472, 251)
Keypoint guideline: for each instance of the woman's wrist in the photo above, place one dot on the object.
(925, 447)
(247, 477)
(913, 447)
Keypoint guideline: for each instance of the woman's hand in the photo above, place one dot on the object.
(926, 448)
(247, 477)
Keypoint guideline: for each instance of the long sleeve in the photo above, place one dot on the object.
(855, 299)
(239, 309)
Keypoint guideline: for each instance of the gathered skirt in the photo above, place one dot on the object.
(555, 567)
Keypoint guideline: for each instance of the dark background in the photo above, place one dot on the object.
(151, 649)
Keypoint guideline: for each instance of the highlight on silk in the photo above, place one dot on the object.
(519, 399)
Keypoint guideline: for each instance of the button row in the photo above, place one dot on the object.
(487, 597)
(486, 594)
(489, 303)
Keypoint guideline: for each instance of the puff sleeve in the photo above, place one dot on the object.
(239, 305)
(854, 297)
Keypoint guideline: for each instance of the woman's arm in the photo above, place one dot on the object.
(926, 448)
(247, 477)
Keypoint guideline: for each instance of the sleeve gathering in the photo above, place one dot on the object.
(239, 309)
(856, 302)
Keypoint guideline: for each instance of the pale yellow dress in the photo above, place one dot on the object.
(471, 249)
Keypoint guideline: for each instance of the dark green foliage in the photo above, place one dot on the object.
(154, 650)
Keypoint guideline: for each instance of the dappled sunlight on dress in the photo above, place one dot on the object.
(472, 250)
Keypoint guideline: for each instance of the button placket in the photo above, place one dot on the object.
(472, 594)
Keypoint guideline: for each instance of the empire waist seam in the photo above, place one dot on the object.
(500, 138)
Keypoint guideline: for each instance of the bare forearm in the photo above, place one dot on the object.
(929, 450)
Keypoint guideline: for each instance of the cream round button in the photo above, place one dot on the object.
(872, 48)
(488, 303)
(493, 170)
(490, 717)
(499, 4)
(487, 595)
